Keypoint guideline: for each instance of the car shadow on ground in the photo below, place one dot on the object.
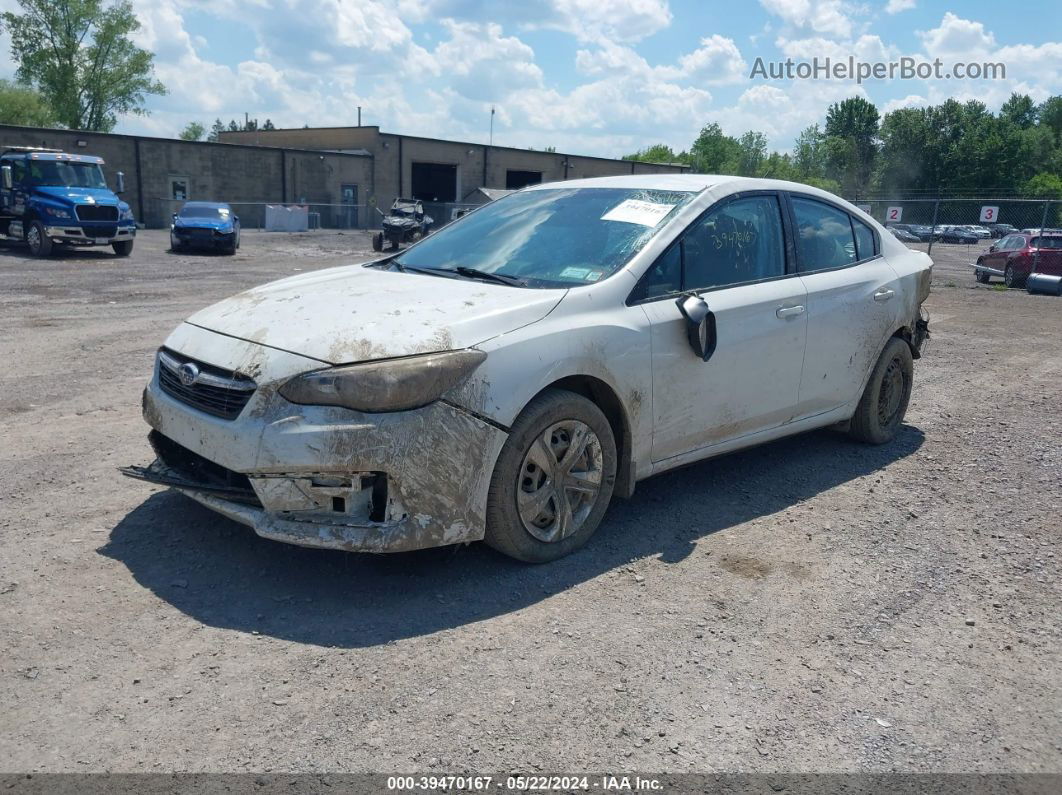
(223, 575)
(16, 251)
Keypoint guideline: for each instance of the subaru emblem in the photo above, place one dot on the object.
(188, 373)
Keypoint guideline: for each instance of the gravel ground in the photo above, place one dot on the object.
(809, 605)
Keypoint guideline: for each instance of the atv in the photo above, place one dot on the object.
(405, 223)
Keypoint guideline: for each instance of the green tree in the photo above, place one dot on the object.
(268, 125)
(851, 133)
(22, 105)
(752, 151)
(1020, 109)
(714, 152)
(657, 153)
(78, 54)
(216, 129)
(809, 154)
(1044, 186)
(193, 131)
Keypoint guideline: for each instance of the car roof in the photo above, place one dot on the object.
(219, 205)
(686, 182)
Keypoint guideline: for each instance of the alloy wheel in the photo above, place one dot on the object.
(33, 239)
(559, 480)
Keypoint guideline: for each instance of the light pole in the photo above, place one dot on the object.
(491, 125)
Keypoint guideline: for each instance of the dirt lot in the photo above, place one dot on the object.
(809, 605)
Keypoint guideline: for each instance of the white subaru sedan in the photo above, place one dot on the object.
(506, 377)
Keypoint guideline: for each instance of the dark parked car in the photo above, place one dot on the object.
(206, 225)
(956, 234)
(1000, 231)
(923, 231)
(1017, 255)
(904, 234)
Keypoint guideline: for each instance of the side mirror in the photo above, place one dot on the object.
(119, 182)
(6, 170)
(993, 247)
(700, 325)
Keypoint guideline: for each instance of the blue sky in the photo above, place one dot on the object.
(602, 77)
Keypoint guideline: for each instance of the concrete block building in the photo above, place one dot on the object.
(340, 171)
(441, 171)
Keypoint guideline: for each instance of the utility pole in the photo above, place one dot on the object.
(491, 125)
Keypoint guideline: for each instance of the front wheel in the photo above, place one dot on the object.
(983, 276)
(553, 480)
(123, 248)
(40, 245)
(377, 241)
(880, 411)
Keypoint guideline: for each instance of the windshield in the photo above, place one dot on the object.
(193, 211)
(60, 174)
(561, 237)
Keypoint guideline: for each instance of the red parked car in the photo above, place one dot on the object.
(1013, 257)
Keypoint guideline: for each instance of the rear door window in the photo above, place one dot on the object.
(824, 236)
(865, 241)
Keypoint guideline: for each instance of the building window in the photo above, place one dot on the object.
(179, 188)
(514, 180)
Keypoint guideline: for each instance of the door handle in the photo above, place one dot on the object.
(789, 311)
(884, 295)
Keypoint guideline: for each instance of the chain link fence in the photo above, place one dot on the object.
(255, 215)
(962, 221)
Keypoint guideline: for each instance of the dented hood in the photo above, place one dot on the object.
(353, 313)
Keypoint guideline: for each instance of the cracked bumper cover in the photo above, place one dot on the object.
(313, 468)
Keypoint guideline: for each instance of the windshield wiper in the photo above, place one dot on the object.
(500, 278)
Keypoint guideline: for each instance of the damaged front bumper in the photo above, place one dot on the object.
(327, 477)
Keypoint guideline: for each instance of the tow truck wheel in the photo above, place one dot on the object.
(377, 241)
(123, 248)
(40, 245)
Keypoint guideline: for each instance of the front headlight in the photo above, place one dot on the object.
(58, 212)
(388, 385)
(126, 214)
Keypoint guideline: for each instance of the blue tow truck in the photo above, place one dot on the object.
(51, 199)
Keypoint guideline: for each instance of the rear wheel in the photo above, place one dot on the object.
(553, 480)
(123, 248)
(40, 245)
(888, 392)
(1011, 278)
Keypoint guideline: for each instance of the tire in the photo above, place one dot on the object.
(983, 276)
(40, 245)
(540, 530)
(377, 241)
(887, 394)
(1012, 279)
(175, 246)
(123, 248)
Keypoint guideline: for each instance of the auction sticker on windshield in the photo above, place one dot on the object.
(635, 211)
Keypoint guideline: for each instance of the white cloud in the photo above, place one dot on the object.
(821, 16)
(957, 37)
(896, 6)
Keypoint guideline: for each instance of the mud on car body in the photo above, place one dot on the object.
(505, 377)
